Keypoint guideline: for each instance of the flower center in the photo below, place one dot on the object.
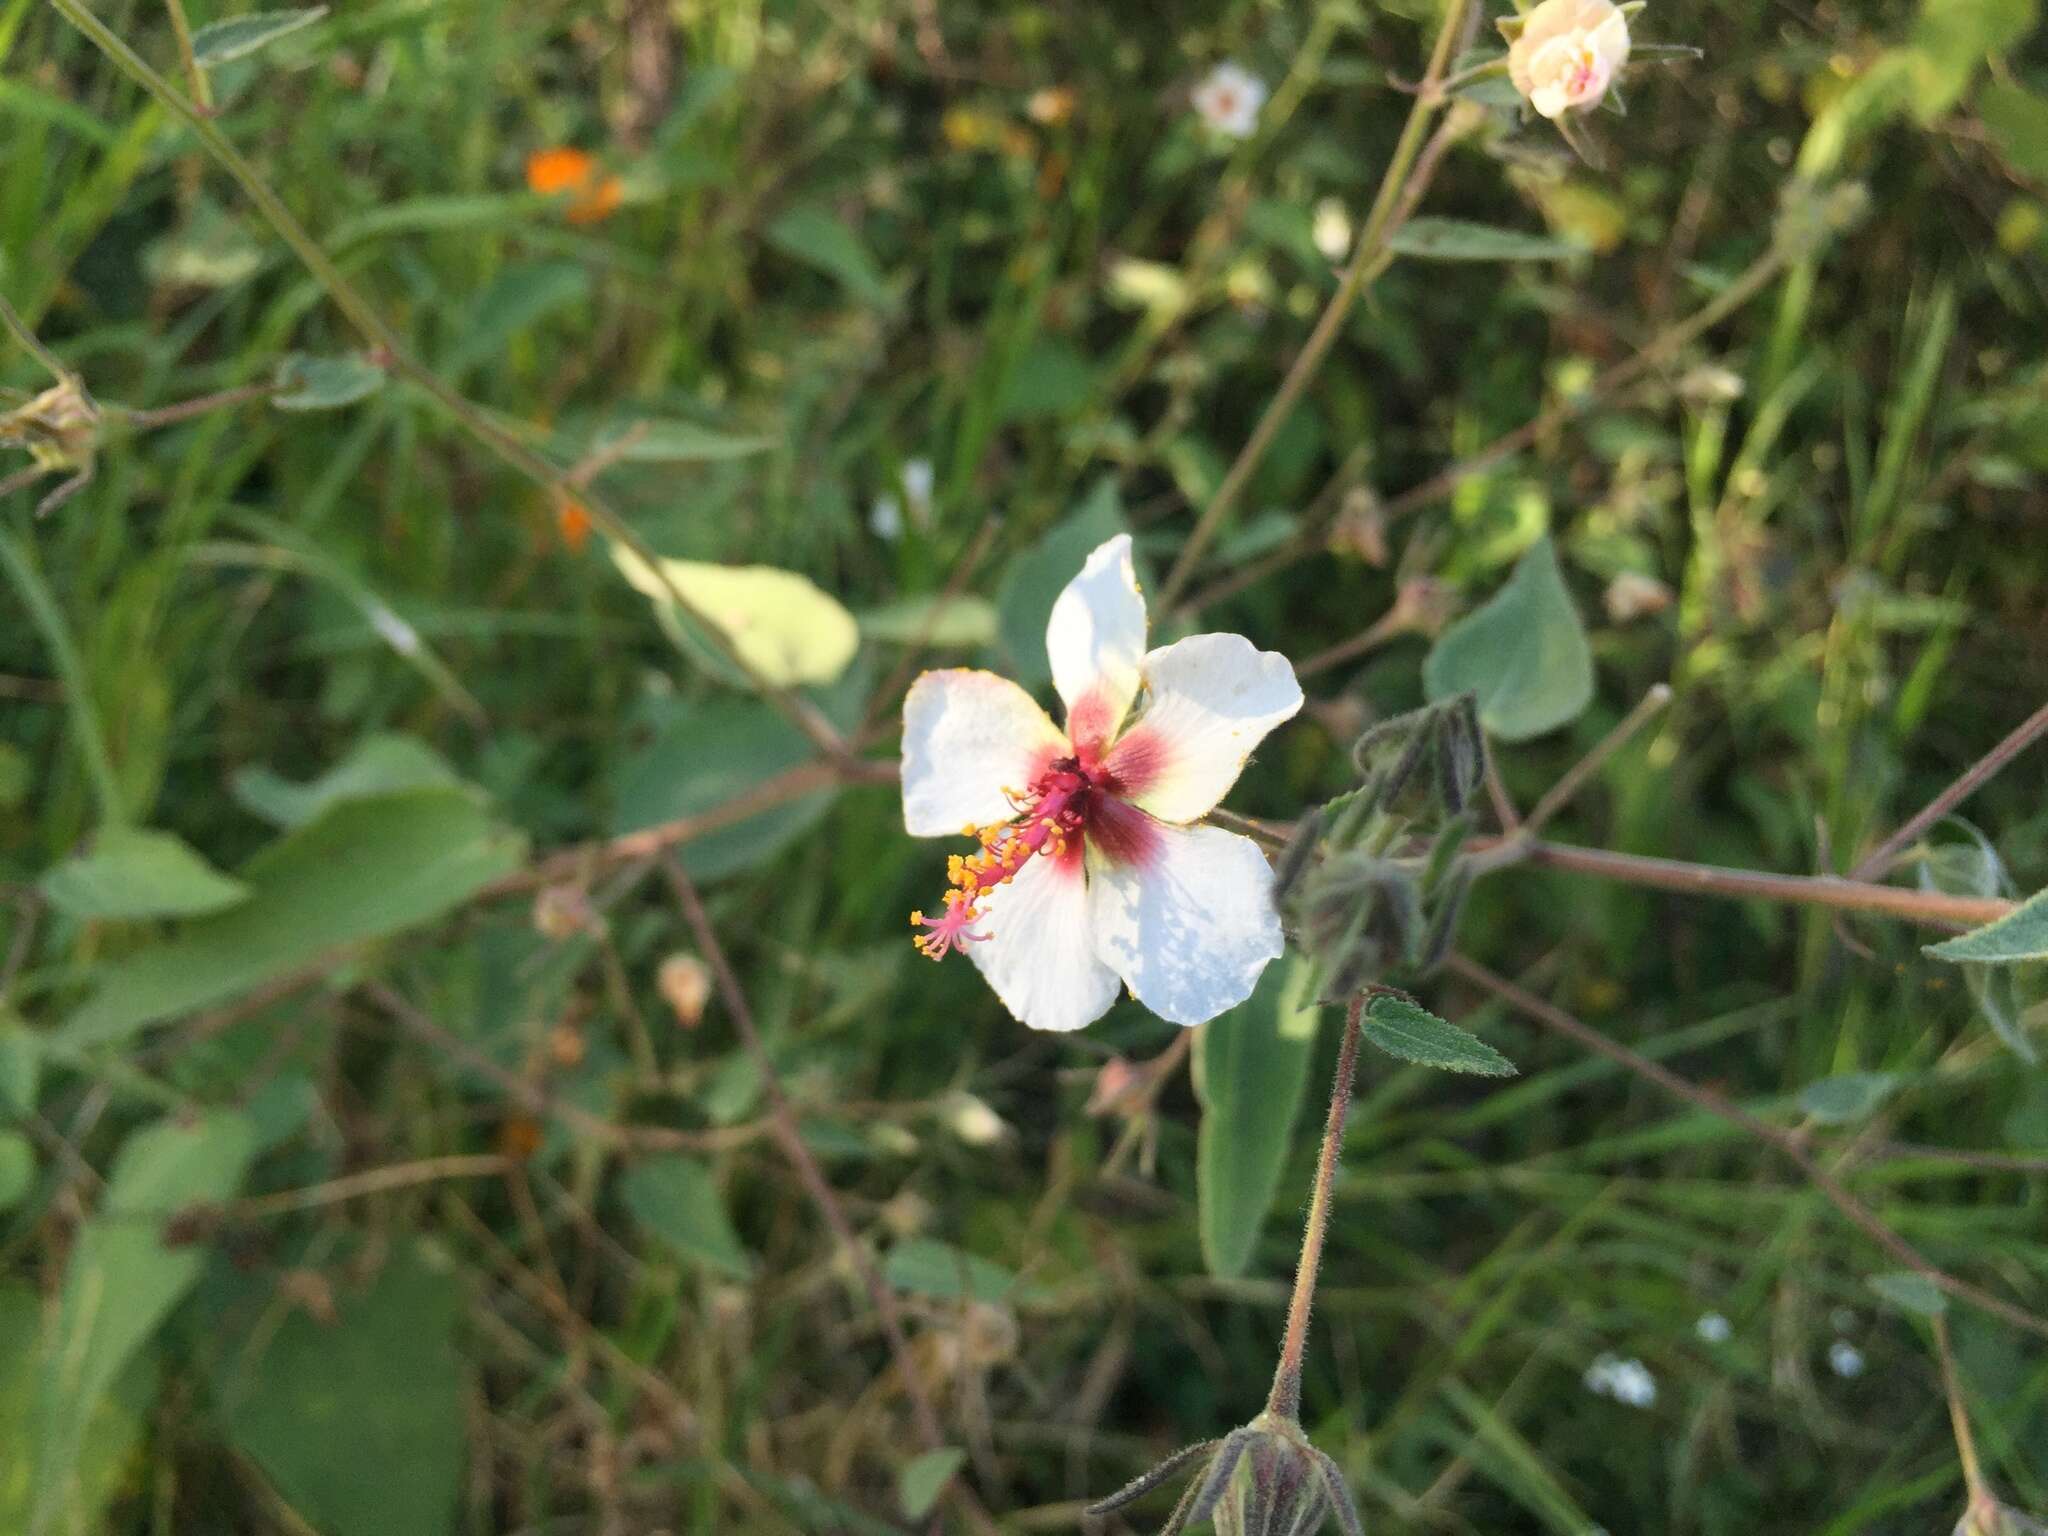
(1583, 74)
(1051, 817)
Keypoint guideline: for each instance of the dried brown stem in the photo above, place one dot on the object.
(1791, 1146)
(1967, 783)
(1560, 794)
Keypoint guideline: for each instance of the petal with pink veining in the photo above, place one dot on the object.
(1189, 926)
(1210, 699)
(968, 736)
(1037, 955)
(1095, 641)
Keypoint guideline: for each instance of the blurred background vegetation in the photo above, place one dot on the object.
(367, 1165)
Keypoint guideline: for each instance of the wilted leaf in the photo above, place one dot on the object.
(1910, 1289)
(965, 620)
(220, 41)
(2022, 934)
(677, 1201)
(324, 383)
(702, 755)
(134, 873)
(1251, 1075)
(1431, 239)
(376, 765)
(1034, 580)
(1413, 1033)
(363, 869)
(924, 1478)
(786, 628)
(124, 1277)
(1524, 653)
(1847, 1096)
(357, 1422)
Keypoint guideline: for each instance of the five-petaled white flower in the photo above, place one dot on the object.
(1229, 100)
(1567, 54)
(1090, 866)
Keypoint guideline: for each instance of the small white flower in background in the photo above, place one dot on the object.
(1845, 1359)
(885, 519)
(398, 634)
(1713, 1328)
(973, 1121)
(1090, 867)
(919, 480)
(1331, 230)
(1626, 1381)
(1567, 53)
(1229, 100)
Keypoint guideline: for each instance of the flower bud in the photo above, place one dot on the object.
(60, 428)
(563, 911)
(1567, 53)
(685, 985)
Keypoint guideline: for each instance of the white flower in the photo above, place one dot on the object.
(398, 634)
(1331, 229)
(1090, 868)
(1229, 100)
(1626, 1381)
(919, 479)
(885, 519)
(1567, 53)
(1713, 1328)
(1845, 1359)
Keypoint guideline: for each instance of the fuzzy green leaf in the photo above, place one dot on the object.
(1910, 1289)
(1408, 1030)
(924, 1478)
(1847, 1096)
(1524, 653)
(238, 36)
(1433, 239)
(134, 873)
(2022, 934)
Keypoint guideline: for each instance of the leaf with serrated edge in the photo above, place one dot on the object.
(2022, 934)
(1411, 1032)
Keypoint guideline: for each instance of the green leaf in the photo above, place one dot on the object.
(782, 624)
(2017, 121)
(518, 298)
(1523, 652)
(814, 236)
(1847, 1096)
(376, 765)
(112, 1429)
(1952, 39)
(362, 870)
(324, 383)
(1407, 1030)
(239, 36)
(702, 755)
(358, 1423)
(935, 620)
(1431, 239)
(1251, 1075)
(924, 1266)
(17, 1168)
(1910, 1289)
(2022, 934)
(924, 1478)
(1033, 581)
(123, 1277)
(133, 873)
(677, 442)
(21, 1068)
(677, 1201)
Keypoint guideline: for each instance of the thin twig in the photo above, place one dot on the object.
(782, 1117)
(1967, 783)
(1791, 1146)
(1959, 1415)
(1559, 795)
(185, 410)
(393, 353)
(1746, 286)
(1380, 224)
(202, 89)
(1503, 804)
(25, 334)
(370, 1181)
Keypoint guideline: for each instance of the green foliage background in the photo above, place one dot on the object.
(368, 685)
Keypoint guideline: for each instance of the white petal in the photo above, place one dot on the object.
(1095, 640)
(968, 736)
(1037, 955)
(1190, 924)
(1610, 42)
(1210, 699)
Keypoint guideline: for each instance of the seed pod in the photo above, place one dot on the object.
(1277, 1489)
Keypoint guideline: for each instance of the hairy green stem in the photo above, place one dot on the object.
(1285, 1399)
(392, 351)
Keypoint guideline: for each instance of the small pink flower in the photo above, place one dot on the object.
(1090, 867)
(1567, 54)
(1229, 99)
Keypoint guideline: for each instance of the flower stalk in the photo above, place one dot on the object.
(1285, 1398)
